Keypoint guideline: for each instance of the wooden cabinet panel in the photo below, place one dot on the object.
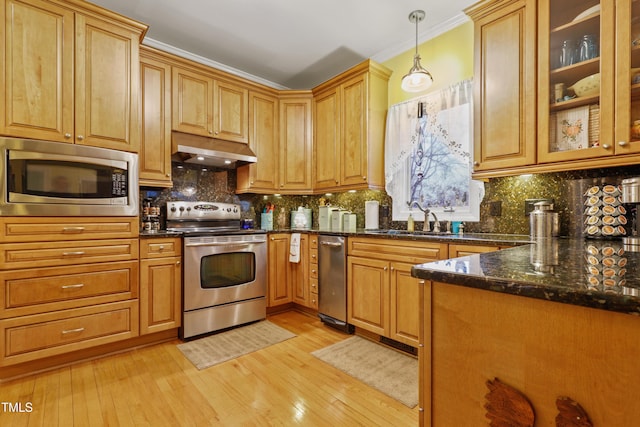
(59, 288)
(404, 315)
(263, 141)
(368, 294)
(35, 255)
(38, 229)
(504, 98)
(354, 161)
(107, 86)
(192, 106)
(278, 270)
(326, 142)
(37, 65)
(160, 247)
(457, 250)
(70, 76)
(300, 274)
(33, 337)
(350, 118)
(160, 294)
(230, 112)
(294, 171)
(155, 149)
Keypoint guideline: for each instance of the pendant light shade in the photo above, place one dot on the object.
(418, 79)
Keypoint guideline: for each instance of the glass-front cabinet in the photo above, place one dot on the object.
(588, 99)
(627, 132)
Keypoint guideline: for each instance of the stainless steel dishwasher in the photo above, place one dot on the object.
(332, 282)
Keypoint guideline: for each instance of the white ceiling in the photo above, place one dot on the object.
(294, 44)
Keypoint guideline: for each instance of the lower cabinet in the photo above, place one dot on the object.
(160, 284)
(382, 297)
(278, 268)
(66, 284)
(291, 282)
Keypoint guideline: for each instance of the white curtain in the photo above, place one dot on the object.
(428, 155)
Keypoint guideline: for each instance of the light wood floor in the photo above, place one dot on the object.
(282, 385)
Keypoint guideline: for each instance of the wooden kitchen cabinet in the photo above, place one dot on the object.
(505, 84)
(208, 106)
(295, 147)
(67, 284)
(382, 295)
(263, 140)
(313, 272)
(279, 285)
(192, 106)
(155, 148)
(349, 122)
(458, 250)
(299, 274)
(160, 284)
(70, 74)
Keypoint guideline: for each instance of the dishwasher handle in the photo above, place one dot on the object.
(332, 244)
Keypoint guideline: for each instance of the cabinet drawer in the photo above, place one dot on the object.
(160, 248)
(313, 301)
(313, 285)
(49, 254)
(313, 241)
(57, 288)
(409, 251)
(313, 255)
(38, 229)
(42, 335)
(313, 271)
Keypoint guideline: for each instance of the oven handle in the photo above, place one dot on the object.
(240, 242)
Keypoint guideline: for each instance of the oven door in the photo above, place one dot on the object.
(224, 269)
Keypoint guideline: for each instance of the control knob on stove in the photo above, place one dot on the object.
(173, 208)
(181, 208)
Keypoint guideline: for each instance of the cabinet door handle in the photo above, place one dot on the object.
(80, 138)
(77, 285)
(73, 229)
(67, 135)
(606, 146)
(177, 262)
(476, 163)
(72, 331)
(385, 269)
(74, 253)
(392, 269)
(622, 143)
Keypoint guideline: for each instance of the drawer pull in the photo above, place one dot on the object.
(160, 248)
(73, 229)
(74, 253)
(72, 331)
(77, 285)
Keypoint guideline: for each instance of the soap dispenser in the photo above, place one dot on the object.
(410, 222)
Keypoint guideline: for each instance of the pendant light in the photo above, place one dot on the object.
(418, 78)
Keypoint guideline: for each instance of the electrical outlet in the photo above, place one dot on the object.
(528, 204)
(495, 208)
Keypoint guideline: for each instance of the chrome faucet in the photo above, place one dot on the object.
(426, 211)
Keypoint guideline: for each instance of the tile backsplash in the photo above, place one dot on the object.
(509, 194)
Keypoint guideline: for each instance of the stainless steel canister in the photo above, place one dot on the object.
(543, 221)
(631, 190)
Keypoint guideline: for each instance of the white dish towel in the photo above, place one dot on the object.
(294, 248)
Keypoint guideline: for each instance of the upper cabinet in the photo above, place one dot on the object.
(588, 91)
(70, 73)
(505, 84)
(155, 150)
(263, 140)
(349, 122)
(295, 147)
(205, 106)
(576, 80)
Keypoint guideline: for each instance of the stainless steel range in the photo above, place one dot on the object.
(225, 267)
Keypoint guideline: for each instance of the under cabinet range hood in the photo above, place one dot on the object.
(200, 150)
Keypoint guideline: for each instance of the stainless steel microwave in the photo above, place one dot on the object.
(42, 178)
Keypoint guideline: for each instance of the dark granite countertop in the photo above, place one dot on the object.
(492, 239)
(591, 273)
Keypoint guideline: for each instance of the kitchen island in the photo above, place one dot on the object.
(557, 318)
